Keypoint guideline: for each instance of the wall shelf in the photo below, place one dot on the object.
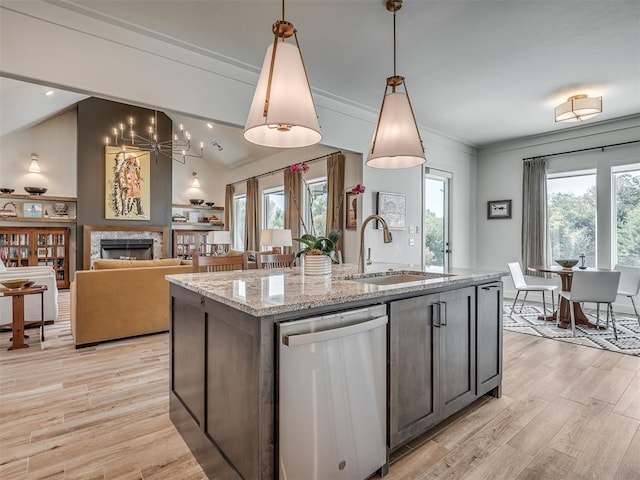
(37, 198)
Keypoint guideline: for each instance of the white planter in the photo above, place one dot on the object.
(317, 265)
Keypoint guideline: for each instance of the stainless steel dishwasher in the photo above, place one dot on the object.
(332, 395)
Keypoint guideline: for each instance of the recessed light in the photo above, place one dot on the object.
(48, 93)
(209, 125)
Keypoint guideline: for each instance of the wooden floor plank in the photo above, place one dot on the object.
(102, 413)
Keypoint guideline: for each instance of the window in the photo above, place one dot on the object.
(315, 206)
(239, 215)
(273, 208)
(571, 202)
(626, 185)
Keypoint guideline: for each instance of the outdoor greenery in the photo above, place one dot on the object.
(433, 239)
(572, 222)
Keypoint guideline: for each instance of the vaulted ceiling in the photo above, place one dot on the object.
(480, 71)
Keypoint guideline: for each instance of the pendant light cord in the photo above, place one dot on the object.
(394, 42)
(283, 10)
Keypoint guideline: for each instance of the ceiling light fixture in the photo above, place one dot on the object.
(196, 182)
(179, 146)
(34, 166)
(578, 108)
(396, 142)
(282, 112)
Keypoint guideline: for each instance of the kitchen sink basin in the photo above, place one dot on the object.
(393, 278)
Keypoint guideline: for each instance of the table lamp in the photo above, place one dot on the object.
(276, 238)
(220, 238)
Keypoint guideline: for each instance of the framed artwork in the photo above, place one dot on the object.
(393, 208)
(351, 211)
(32, 209)
(127, 188)
(498, 209)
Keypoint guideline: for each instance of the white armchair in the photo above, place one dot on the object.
(42, 276)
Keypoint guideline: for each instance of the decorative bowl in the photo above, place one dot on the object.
(35, 190)
(210, 204)
(196, 201)
(567, 263)
(7, 190)
(30, 283)
(14, 283)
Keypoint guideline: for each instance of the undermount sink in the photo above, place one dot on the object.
(392, 278)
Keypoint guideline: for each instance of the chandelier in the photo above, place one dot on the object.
(396, 142)
(282, 112)
(178, 148)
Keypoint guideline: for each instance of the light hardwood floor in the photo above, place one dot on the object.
(567, 412)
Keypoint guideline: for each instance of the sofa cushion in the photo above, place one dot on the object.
(108, 263)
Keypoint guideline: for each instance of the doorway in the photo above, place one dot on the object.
(436, 247)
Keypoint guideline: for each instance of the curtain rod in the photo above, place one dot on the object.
(284, 168)
(602, 147)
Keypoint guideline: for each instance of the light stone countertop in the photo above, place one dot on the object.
(269, 292)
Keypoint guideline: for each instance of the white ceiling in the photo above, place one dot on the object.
(480, 71)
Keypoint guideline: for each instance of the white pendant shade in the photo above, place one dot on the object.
(291, 119)
(578, 107)
(396, 142)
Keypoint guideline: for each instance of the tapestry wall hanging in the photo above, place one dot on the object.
(127, 187)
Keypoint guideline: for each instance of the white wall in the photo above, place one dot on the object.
(47, 44)
(55, 142)
(499, 177)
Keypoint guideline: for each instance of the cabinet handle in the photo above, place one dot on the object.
(443, 322)
(433, 314)
(489, 287)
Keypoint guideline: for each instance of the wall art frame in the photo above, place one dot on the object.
(393, 208)
(498, 209)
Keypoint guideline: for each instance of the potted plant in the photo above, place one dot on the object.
(318, 252)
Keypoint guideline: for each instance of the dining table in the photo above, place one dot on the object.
(564, 308)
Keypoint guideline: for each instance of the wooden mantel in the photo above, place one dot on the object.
(88, 229)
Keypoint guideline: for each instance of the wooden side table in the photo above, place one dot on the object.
(17, 327)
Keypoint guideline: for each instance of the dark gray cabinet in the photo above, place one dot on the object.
(432, 360)
(489, 338)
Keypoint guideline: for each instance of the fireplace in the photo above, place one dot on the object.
(132, 239)
(127, 248)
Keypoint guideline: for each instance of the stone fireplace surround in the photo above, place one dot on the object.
(92, 234)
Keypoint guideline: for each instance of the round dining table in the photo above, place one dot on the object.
(566, 277)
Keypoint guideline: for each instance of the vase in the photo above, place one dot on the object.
(317, 265)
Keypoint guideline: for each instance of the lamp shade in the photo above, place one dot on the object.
(578, 107)
(396, 141)
(276, 237)
(291, 119)
(219, 237)
(34, 166)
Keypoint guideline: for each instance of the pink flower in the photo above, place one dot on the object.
(300, 167)
(357, 189)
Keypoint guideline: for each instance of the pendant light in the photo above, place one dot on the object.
(282, 112)
(396, 142)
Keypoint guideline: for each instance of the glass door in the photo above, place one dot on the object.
(435, 248)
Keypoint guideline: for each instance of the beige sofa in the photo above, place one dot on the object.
(122, 298)
(32, 309)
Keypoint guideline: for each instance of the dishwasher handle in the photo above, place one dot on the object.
(330, 334)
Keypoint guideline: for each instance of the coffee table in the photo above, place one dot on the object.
(18, 323)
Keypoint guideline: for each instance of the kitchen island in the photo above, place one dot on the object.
(443, 351)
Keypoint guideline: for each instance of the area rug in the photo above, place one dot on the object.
(527, 322)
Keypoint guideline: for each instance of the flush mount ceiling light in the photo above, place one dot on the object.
(396, 142)
(282, 112)
(34, 166)
(578, 108)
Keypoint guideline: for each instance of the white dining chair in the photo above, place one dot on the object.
(629, 284)
(522, 286)
(593, 287)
